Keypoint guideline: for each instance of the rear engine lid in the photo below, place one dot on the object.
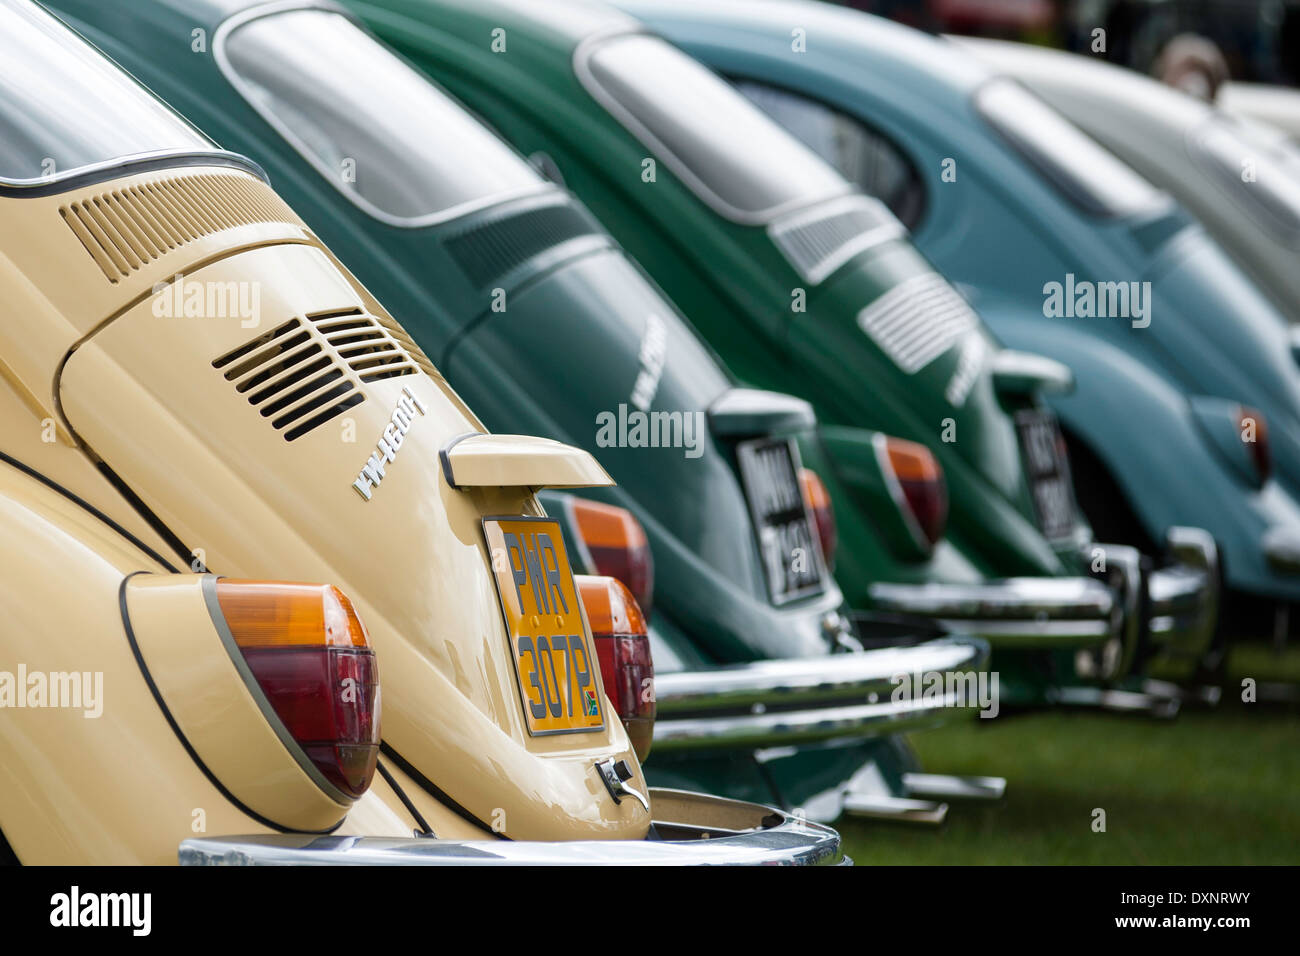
(248, 432)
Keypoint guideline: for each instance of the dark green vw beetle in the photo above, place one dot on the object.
(806, 285)
(545, 326)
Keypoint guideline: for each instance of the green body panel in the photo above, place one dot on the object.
(567, 347)
(732, 281)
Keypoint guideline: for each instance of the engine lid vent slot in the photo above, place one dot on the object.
(126, 229)
(306, 371)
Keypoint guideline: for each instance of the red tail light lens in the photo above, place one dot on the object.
(623, 647)
(311, 657)
(818, 500)
(617, 546)
(1254, 435)
(921, 492)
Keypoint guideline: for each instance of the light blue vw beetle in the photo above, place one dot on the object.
(1187, 405)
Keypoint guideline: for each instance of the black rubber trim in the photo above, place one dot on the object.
(180, 736)
(435, 790)
(143, 510)
(444, 456)
(91, 509)
(130, 167)
(425, 829)
(7, 855)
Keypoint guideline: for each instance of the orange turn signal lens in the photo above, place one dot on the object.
(281, 614)
(920, 485)
(617, 546)
(818, 500)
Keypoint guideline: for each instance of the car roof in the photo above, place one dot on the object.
(1094, 79)
(933, 67)
(561, 22)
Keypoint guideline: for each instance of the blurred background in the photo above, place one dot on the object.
(1214, 786)
(1192, 44)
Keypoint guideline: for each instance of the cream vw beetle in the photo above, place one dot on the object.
(195, 397)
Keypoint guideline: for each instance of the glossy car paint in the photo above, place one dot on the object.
(115, 397)
(570, 344)
(741, 292)
(1221, 168)
(1002, 231)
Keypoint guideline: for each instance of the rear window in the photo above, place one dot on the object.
(379, 131)
(1260, 171)
(863, 156)
(64, 108)
(1090, 176)
(733, 156)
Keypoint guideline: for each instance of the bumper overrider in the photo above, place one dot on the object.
(691, 829)
(1126, 613)
(807, 700)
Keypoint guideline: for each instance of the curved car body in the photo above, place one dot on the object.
(1239, 178)
(1032, 208)
(197, 397)
(545, 326)
(802, 284)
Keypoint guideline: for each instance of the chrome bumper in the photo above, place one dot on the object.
(1171, 610)
(1183, 598)
(773, 703)
(1013, 611)
(695, 830)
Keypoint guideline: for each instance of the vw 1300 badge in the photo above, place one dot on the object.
(372, 473)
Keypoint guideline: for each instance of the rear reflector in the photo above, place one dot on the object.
(617, 545)
(312, 659)
(920, 489)
(623, 648)
(818, 500)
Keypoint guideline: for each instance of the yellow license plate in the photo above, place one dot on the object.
(556, 665)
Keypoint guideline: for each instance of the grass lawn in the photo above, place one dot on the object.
(1212, 786)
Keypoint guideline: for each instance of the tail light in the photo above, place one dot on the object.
(311, 657)
(616, 544)
(1254, 435)
(623, 648)
(818, 500)
(917, 484)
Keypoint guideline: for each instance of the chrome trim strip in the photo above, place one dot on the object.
(763, 836)
(133, 165)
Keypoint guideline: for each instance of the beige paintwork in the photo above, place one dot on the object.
(89, 362)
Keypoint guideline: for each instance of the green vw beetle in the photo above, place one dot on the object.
(542, 322)
(804, 284)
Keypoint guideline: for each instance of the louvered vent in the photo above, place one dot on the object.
(918, 320)
(307, 371)
(126, 229)
(487, 250)
(818, 242)
(365, 344)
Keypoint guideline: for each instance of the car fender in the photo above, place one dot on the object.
(1142, 428)
(107, 781)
